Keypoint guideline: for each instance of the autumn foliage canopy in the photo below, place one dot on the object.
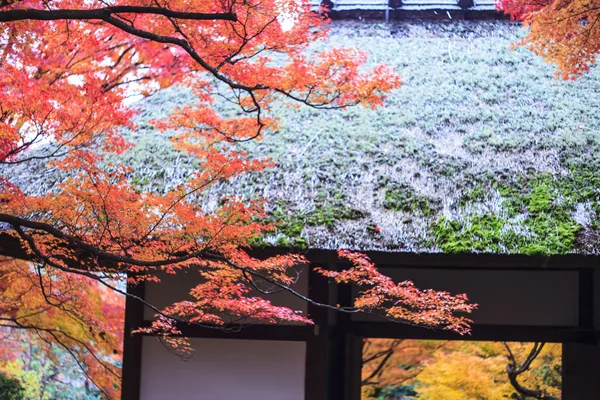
(66, 69)
(563, 32)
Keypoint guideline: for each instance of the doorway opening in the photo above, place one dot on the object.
(402, 369)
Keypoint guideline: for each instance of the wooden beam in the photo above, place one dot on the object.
(13, 247)
(508, 333)
(293, 333)
(454, 261)
(484, 261)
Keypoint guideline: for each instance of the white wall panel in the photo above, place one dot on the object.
(224, 369)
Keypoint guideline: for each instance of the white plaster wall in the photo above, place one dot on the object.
(176, 287)
(224, 369)
(534, 298)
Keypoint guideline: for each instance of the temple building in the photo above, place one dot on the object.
(478, 176)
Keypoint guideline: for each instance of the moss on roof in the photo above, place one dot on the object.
(482, 150)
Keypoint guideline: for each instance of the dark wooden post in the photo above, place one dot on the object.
(317, 346)
(581, 360)
(132, 344)
(332, 350)
(586, 298)
(340, 365)
(581, 371)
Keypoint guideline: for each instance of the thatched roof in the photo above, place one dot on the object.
(482, 150)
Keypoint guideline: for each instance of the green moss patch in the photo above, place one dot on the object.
(538, 217)
(402, 197)
(289, 226)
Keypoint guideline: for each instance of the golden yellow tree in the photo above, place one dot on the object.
(478, 370)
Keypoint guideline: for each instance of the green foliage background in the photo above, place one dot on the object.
(10, 388)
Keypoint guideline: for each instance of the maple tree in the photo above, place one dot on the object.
(56, 308)
(67, 68)
(563, 32)
(517, 367)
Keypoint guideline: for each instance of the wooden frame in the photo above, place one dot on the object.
(333, 344)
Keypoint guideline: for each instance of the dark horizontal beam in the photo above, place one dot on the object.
(454, 261)
(511, 333)
(433, 14)
(507, 333)
(485, 261)
(11, 246)
(295, 333)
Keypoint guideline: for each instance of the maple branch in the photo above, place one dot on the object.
(47, 260)
(385, 355)
(111, 16)
(283, 287)
(104, 13)
(514, 369)
(106, 258)
(17, 223)
(92, 250)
